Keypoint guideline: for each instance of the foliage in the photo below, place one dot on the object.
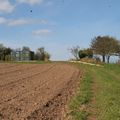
(26, 53)
(5, 53)
(41, 54)
(81, 53)
(86, 53)
(105, 46)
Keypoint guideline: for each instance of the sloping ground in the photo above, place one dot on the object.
(33, 91)
(98, 96)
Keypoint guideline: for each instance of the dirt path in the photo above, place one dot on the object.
(34, 91)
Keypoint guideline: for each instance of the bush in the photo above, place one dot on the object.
(86, 53)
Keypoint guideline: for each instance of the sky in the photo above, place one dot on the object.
(57, 25)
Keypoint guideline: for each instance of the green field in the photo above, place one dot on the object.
(98, 95)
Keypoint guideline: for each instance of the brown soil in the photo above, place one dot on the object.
(35, 91)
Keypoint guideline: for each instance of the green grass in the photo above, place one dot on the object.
(107, 93)
(78, 103)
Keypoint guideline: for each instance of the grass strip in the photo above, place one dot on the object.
(78, 103)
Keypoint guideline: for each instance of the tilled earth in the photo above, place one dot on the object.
(35, 91)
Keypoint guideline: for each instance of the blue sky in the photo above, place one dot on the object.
(57, 24)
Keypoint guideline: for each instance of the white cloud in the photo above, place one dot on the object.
(30, 2)
(16, 22)
(6, 6)
(11, 22)
(41, 32)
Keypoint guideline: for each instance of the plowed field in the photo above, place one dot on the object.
(35, 91)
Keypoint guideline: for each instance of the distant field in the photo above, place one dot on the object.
(98, 95)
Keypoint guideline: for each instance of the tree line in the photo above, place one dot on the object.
(105, 46)
(39, 54)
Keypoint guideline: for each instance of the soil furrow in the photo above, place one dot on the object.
(21, 98)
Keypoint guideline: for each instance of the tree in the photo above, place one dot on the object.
(75, 52)
(1, 51)
(86, 53)
(7, 54)
(41, 54)
(89, 52)
(25, 48)
(105, 46)
(25, 53)
(47, 56)
(4, 52)
(82, 54)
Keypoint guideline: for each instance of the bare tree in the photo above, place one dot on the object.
(75, 52)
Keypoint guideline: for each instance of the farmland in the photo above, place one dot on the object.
(27, 90)
(59, 91)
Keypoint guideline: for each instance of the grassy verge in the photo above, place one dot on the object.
(107, 93)
(78, 103)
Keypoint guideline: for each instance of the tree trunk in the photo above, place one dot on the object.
(108, 59)
(103, 58)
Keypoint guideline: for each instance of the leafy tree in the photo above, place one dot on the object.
(89, 52)
(86, 53)
(75, 52)
(4, 52)
(82, 54)
(7, 54)
(1, 51)
(105, 46)
(41, 54)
